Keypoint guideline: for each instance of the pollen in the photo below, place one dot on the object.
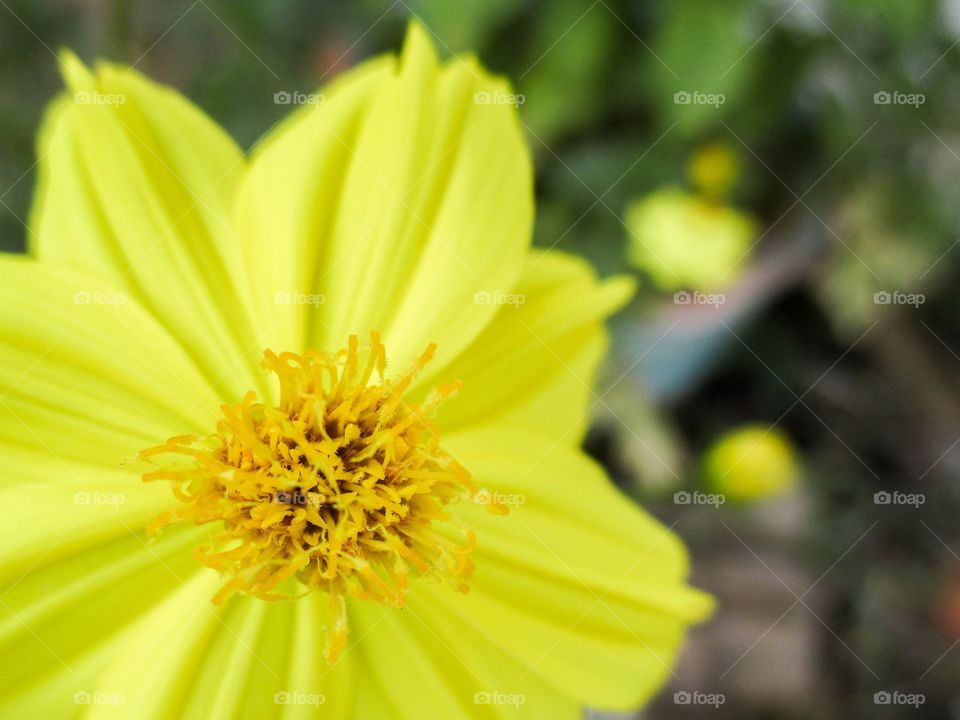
(342, 488)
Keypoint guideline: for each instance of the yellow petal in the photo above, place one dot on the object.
(290, 198)
(77, 352)
(61, 623)
(145, 676)
(587, 590)
(486, 680)
(396, 201)
(78, 509)
(413, 671)
(248, 658)
(137, 186)
(534, 366)
(85, 384)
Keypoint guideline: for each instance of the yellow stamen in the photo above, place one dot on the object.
(343, 487)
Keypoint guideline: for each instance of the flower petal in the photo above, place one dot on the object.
(534, 365)
(248, 658)
(450, 664)
(84, 386)
(409, 674)
(61, 623)
(149, 659)
(578, 584)
(137, 186)
(289, 200)
(393, 203)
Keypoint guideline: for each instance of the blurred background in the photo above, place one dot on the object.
(781, 176)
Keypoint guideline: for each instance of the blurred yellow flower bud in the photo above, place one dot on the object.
(687, 242)
(714, 169)
(751, 463)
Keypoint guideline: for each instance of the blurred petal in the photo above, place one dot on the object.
(534, 366)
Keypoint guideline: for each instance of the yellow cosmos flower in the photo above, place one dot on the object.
(687, 241)
(299, 432)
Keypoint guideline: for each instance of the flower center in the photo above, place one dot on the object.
(343, 487)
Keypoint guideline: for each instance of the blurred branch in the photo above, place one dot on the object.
(695, 334)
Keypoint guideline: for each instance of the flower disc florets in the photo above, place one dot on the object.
(342, 487)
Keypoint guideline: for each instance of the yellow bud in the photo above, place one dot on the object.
(751, 463)
(714, 170)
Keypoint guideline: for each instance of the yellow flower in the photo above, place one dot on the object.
(356, 395)
(752, 463)
(685, 241)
